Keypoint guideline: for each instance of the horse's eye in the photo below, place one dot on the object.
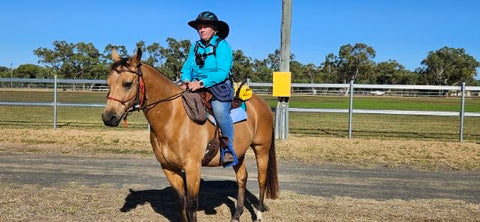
(127, 85)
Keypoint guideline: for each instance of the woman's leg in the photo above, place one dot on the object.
(221, 112)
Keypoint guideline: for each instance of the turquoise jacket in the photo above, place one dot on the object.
(216, 68)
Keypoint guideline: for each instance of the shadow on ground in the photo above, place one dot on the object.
(212, 194)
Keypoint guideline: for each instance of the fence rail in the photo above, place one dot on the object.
(460, 91)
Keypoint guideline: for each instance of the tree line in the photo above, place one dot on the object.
(445, 66)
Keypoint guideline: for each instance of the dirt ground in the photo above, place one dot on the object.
(83, 203)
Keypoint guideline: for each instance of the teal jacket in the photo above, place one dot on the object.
(217, 67)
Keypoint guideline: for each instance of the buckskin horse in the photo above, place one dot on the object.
(178, 143)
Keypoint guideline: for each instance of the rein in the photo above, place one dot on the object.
(140, 97)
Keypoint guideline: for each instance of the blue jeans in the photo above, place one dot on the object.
(221, 112)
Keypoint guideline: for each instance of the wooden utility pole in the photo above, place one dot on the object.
(285, 36)
(281, 114)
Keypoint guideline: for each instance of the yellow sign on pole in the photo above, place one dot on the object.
(282, 84)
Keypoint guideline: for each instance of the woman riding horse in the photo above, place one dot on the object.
(208, 66)
(179, 144)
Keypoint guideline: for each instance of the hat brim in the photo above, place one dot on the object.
(222, 27)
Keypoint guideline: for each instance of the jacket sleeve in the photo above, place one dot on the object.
(187, 69)
(224, 58)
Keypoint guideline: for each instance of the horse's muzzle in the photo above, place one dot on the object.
(111, 119)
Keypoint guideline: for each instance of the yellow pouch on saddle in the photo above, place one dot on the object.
(242, 91)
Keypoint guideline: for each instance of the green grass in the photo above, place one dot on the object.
(321, 124)
(381, 103)
(47, 96)
(384, 126)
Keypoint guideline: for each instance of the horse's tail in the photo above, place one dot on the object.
(272, 174)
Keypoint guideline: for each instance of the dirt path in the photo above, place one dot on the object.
(317, 180)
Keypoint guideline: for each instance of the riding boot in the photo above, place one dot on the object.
(226, 155)
(227, 158)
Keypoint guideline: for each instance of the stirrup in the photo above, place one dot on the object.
(228, 157)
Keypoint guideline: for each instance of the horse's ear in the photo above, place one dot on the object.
(137, 58)
(115, 56)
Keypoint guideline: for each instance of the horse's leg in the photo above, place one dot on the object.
(261, 153)
(242, 174)
(176, 180)
(193, 174)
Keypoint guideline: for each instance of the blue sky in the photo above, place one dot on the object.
(402, 30)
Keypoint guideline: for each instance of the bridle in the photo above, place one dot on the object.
(140, 97)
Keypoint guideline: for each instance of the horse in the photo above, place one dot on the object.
(179, 144)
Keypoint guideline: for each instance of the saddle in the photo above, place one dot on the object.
(213, 147)
(207, 97)
(197, 105)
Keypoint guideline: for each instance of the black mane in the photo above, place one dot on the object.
(121, 62)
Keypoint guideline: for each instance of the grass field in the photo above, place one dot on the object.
(306, 124)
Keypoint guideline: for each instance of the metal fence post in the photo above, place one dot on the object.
(55, 103)
(462, 113)
(350, 111)
(281, 119)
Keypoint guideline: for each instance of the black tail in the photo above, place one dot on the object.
(272, 174)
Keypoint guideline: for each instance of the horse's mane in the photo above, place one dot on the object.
(124, 62)
(121, 62)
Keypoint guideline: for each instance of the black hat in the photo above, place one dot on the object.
(210, 18)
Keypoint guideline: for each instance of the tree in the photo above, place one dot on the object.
(392, 72)
(141, 45)
(311, 73)
(68, 60)
(174, 56)
(273, 60)
(242, 66)
(449, 66)
(86, 62)
(58, 57)
(304, 73)
(296, 70)
(154, 52)
(329, 69)
(4, 72)
(30, 71)
(355, 62)
(261, 72)
(106, 57)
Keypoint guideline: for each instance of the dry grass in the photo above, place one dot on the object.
(119, 141)
(426, 155)
(390, 153)
(103, 203)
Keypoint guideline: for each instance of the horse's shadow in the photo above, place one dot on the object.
(212, 194)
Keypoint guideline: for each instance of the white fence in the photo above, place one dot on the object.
(297, 88)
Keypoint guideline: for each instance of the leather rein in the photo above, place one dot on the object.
(140, 97)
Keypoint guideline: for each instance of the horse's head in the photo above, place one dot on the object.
(124, 86)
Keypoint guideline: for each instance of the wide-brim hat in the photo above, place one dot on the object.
(210, 18)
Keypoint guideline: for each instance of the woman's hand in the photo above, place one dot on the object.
(195, 85)
(184, 86)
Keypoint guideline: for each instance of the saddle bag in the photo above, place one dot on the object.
(222, 91)
(194, 107)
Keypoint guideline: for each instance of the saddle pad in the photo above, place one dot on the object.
(237, 115)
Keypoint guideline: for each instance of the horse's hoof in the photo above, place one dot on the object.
(234, 220)
(259, 216)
